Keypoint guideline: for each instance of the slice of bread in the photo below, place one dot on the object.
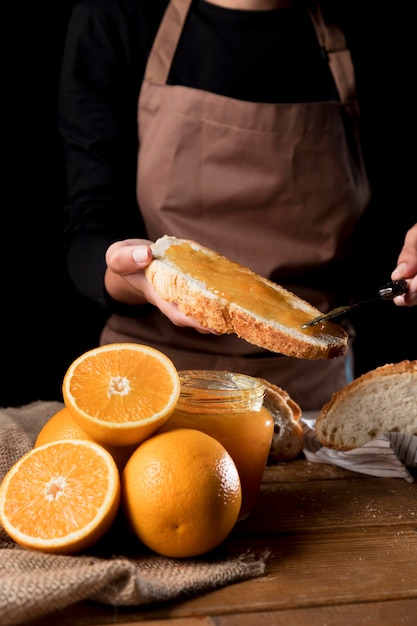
(288, 437)
(225, 296)
(381, 400)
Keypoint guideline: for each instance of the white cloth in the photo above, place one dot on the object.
(388, 455)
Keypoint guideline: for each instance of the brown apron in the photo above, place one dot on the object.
(275, 187)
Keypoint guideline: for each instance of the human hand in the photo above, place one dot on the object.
(407, 269)
(126, 282)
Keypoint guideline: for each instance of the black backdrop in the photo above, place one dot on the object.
(46, 324)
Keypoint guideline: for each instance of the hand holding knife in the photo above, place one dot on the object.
(389, 291)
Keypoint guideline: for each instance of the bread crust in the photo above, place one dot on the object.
(206, 304)
(288, 437)
(381, 400)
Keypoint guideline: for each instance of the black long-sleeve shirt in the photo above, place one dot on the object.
(251, 55)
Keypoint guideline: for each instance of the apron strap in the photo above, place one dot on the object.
(333, 43)
(166, 41)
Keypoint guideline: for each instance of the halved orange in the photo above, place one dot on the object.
(60, 497)
(121, 393)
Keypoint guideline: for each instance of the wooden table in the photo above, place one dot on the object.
(343, 551)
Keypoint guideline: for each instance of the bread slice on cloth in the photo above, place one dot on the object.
(288, 437)
(229, 298)
(381, 400)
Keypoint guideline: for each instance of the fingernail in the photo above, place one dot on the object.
(399, 270)
(140, 254)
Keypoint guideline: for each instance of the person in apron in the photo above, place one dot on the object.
(278, 187)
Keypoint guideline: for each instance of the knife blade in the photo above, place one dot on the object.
(390, 290)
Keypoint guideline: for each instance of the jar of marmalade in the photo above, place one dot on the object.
(229, 407)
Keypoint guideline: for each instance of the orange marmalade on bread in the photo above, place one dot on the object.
(233, 284)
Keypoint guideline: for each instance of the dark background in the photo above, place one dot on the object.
(46, 324)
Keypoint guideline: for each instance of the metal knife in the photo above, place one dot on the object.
(389, 291)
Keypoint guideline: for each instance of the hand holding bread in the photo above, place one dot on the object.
(229, 298)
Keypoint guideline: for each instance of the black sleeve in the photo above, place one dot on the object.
(105, 52)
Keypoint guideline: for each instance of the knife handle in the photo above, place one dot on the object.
(392, 289)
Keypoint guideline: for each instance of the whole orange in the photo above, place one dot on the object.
(63, 426)
(181, 493)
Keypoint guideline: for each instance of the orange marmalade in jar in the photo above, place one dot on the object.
(229, 407)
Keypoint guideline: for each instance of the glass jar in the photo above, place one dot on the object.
(229, 407)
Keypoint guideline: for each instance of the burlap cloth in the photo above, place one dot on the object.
(118, 571)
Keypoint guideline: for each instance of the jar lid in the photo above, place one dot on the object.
(215, 387)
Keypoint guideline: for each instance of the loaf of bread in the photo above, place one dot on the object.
(288, 437)
(225, 296)
(381, 400)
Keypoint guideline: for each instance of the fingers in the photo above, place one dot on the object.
(126, 261)
(407, 269)
(129, 256)
(124, 278)
(410, 297)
